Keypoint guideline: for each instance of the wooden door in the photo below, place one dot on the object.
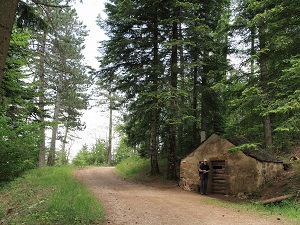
(218, 185)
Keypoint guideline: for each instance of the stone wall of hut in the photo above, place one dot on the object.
(243, 173)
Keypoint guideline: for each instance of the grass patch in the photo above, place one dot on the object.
(287, 209)
(49, 195)
(134, 168)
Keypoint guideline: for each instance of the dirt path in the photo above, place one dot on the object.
(131, 203)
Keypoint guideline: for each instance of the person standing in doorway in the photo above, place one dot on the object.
(203, 170)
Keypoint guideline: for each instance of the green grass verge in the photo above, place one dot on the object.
(287, 209)
(49, 195)
(136, 168)
(133, 168)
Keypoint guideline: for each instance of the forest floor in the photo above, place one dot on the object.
(164, 202)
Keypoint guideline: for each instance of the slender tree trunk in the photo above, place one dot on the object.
(64, 141)
(153, 142)
(51, 158)
(182, 99)
(63, 153)
(195, 102)
(266, 119)
(41, 77)
(7, 17)
(154, 110)
(252, 30)
(264, 85)
(171, 170)
(203, 101)
(109, 149)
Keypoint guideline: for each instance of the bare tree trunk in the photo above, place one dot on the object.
(109, 149)
(7, 17)
(276, 199)
(266, 119)
(195, 103)
(154, 110)
(41, 77)
(51, 158)
(264, 86)
(171, 168)
(203, 103)
(64, 141)
(252, 30)
(182, 99)
(63, 153)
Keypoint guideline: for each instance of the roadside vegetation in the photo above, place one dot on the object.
(49, 195)
(137, 168)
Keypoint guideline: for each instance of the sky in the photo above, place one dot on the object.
(96, 119)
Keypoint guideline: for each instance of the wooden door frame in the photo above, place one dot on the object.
(210, 182)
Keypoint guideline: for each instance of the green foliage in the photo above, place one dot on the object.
(287, 208)
(137, 57)
(83, 157)
(138, 168)
(19, 152)
(95, 156)
(134, 167)
(269, 32)
(252, 146)
(123, 151)
(19, 133)
(53, 196)
(17, 89)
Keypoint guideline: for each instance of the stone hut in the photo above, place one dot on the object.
(231, 172)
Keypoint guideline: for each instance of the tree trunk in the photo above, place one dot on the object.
(63, 153)
(203, 101)
(266, 119)
(195, 101)
(264, 86)
(41, 77)
(51, 158)
(252, 65)
(276, 199)
(171, 170)
(7, 17)
(153, 143)
(182, 99)
(109, 149)
(154, 110)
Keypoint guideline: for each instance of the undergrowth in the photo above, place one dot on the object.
(136, 168)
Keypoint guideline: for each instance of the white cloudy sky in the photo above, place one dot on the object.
(96, 119)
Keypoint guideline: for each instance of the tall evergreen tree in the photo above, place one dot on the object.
(146, 50)
(133, 49)
(66, 70)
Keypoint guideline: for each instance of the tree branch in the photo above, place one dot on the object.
(38, 2)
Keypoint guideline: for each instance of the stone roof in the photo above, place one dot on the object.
(256, 153)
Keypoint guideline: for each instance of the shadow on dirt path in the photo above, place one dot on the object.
(130, 203)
